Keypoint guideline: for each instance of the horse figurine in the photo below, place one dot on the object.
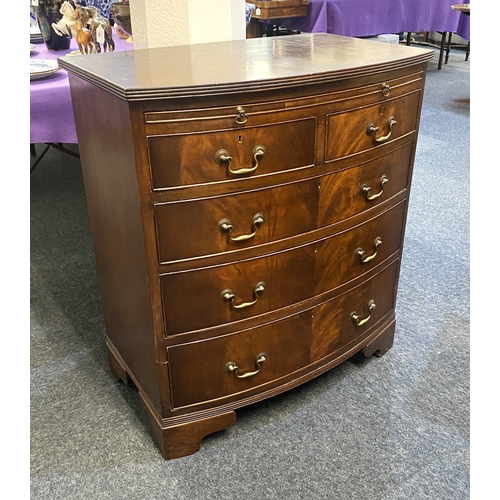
(65, 25)
(98, 24)
(84, 39)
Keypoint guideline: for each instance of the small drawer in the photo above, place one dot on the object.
(237, 364)
(190, 159)
(368, 127)
(230, 223)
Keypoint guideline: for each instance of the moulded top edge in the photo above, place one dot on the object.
(239, 65)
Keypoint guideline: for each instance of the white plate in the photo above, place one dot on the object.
(32, 47)
(40, 68)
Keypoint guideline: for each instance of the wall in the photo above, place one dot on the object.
(160, 23)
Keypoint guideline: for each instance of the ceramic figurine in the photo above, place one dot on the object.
(66, 24)
(99, 26)
(84, 39)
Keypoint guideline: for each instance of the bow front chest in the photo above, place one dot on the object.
(247, 203)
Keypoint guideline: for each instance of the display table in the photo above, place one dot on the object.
(266, 10)
(51, 111)
(360, 18)
(462, 29)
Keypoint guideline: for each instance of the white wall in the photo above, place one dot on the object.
(160, 23)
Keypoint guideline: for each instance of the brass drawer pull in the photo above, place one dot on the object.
(386, 89)
(355, 318)
(225, 226)
(366, 190)
(372, 130)
(359, 253)
(222, 156)
(241, 116)
(232, 367)
(228, 294)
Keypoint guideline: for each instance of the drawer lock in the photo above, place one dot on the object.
(232, 367)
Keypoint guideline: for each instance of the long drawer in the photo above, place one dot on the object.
(237, 364)
(204, 298)
(209, 226)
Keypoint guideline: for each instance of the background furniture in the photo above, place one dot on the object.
(274, 9)
(463, 28)
(247, 223)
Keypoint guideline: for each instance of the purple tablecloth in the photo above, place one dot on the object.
(463, 28)
(51, 111)
(369, 18)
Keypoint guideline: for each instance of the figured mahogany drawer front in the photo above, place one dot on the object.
(201, 158)
(362, 129)
(353, 252)
(351, 191)
(228, 223)
(236, 364)
(194, 299)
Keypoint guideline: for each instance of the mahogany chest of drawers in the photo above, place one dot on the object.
(247, 203)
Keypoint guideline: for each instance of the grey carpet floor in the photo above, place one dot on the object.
(388, 428)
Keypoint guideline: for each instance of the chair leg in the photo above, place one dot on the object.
(467, 51)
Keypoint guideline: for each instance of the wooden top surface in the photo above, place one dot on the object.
(239, 65)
